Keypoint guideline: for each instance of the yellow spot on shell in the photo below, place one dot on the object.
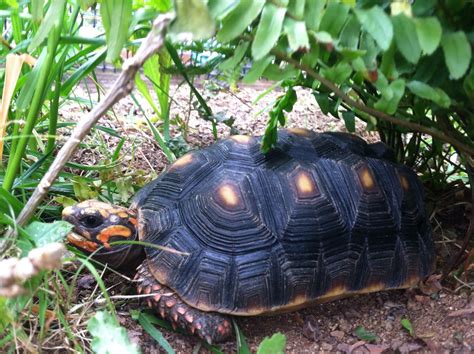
(366, 178)
(183, 161)
(228, 195)
(404, 183)
(305, 184)
(242, 139)
(300, 131)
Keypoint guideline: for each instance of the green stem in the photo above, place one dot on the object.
(53, 114)
(36, 103)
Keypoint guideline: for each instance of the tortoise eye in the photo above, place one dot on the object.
(91, 221)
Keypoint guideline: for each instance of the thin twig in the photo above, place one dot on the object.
(121, 88)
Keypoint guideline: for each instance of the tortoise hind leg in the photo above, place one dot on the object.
(212, 327)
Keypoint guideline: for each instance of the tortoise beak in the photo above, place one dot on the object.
(82, 242)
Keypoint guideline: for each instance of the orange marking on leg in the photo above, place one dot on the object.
(189, 318)
(170, 303)
(133, 221)
(115, 230)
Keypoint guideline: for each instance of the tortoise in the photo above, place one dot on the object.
(244, 233)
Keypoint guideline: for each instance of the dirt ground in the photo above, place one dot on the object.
(442, 321)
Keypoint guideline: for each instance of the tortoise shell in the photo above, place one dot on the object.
(318, 217)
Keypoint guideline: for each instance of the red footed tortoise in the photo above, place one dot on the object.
(319, 217)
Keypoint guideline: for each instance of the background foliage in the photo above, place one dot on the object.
(404, 69)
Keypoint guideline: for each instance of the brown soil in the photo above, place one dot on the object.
(442, 321)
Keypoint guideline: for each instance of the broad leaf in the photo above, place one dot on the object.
(193, 20)
(268, 30)
(377, 23)
(108, 337)
(429, 33)
(406, 38)
(116, 17)
(457, 53)
(237, 20)
(275, 344)
(427, 92)
(43, 233)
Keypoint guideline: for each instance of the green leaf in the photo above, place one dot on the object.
(146, 321)
(468, 84)
(51, 20)
(275, 344)
(313, 13)
(257, 69)
(268, 30)
(82, 191)
(427, 92)
(108, 337)
(220, 8)
(37, 10)
(116, 17)
(44, 233)
(457, 53)
(192, 17)
(233, 61)
(406, 38)
(239, 19)
(334, 18)
(349, 120)
(405, 322)
(297, 34)
(390, 104)
(429, 33)
(377, 23)
(338, 73)
(363, 334)
(322, 37)
(242, 346)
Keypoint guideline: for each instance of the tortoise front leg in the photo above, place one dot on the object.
(212, 327)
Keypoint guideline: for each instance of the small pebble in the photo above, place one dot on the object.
(337, 334)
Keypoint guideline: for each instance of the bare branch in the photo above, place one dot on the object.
(121, 88)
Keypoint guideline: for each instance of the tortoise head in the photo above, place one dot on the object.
(99, 224)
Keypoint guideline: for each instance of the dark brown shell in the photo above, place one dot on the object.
(320, 216)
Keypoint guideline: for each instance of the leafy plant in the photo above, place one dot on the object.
(372, 60)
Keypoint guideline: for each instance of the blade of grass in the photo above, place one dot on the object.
(242, 346)
(144, 321)
(35, 107)
(12, 72)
